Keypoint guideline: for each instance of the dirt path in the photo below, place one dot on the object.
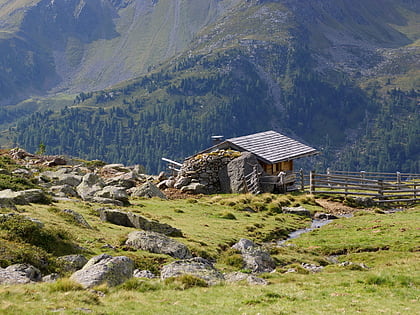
(335, 207)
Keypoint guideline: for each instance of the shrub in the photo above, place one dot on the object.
(65, 285)
(21, 229)
(136, 284)
(185, 282)
(15, 183)
(18, 253)
(232, 258)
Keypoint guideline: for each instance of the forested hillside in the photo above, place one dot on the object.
(342, 76)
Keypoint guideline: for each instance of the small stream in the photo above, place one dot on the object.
(316, 224)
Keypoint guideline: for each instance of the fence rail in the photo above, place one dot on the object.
(400, 189)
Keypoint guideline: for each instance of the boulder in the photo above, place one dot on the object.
(240, 276)
(297, 210)
(107, 201)
(255, 258)
(67, 179)
(72, 263)
(63, 191)
(55, 160)
(123, 181)
(143, 274)
(194, 188)
(104, 269)
(112, 192)
(10, 197)
(53, 277)
(91, 183)
(78, 218)
(133, 220)
(27, 270)
(157, 243)
(13, 277)
(181, 182)
(237, 169)
(33, 196)
(24, 197)
(197, 266)
(148, 190)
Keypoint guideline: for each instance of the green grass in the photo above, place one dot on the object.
(386, 243)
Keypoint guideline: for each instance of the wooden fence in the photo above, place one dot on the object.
(403, 189)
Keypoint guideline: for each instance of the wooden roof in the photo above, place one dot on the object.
(271, 147)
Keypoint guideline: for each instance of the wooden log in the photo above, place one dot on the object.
(342, 193)
(350, 188)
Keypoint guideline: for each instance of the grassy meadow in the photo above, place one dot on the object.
(370, 260)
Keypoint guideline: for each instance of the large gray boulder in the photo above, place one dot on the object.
(19, 274)
(157, 243)
(237, 170)
(104, 269)
(91, 183)
(302, 211)
(113, 192)
(72, 262)
(194, 188)
(137, 221)
(63, 191)
(24, 197)
(13, 277)
(197, 266)
(255, 258)
(108, 201)
(241, 276)
(147, 190)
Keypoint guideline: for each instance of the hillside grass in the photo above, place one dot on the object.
(387, 244)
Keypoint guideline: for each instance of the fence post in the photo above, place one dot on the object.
(312, 182)
(328, 176)
(399, 179)
(302, 180)
(381, 188)
(415, 192)
(363, 176)
(346, 187)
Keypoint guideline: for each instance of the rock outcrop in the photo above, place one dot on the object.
(255, 258)
(130, 219)
(198, 267)
(157, 243)
(104, 269)
(19, 274)
(147, 190)
(72, 262)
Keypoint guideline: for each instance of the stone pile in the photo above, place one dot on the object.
(202, 173)
(221, 171)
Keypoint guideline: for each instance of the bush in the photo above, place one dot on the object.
(65, 285)
(15, 183)
(136, 284)
(185, 282)
(232, 258)
(23, 230)
(19, 253)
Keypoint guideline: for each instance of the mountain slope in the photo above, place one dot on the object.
(74, 45)
(318, 71)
